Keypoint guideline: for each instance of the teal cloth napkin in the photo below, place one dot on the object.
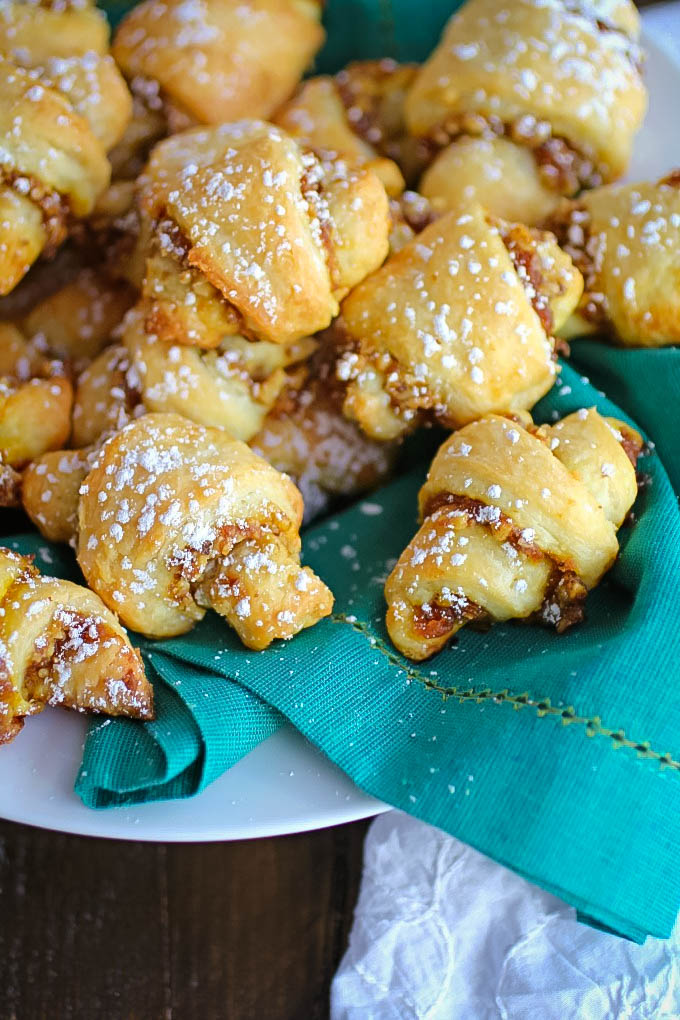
(558, 756)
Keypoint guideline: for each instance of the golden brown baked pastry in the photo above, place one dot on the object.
(496, 172)
(76, 322)
(53, 28)
(232, 386)
(60, 645)
(517, 523)
(253, 236)
(306, 435)
(560, 80)
(213, 61)
(107, 397)
(53, 168)
(625, 239)
(50, 488)
(175, 518)
(65, 46)
(457, 323)
(35, 400)
(357, 116)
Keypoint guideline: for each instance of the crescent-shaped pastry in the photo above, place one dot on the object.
(457, 323)
(65, 46)
(35, 401)
(107, 397)
(232, 386)
(175, 518)
(253, 236)
(213, 61)
(60, 645)
(50, 489)
(517, 523)
(559, 80)
(52, 169)
(306, 435)
(76, 321)
(356, 116)
(625, 239)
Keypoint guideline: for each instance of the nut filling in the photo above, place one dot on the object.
(562, 167)
(565, 593)
(572, 230)
(55, 208)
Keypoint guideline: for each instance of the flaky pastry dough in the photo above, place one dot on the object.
(557, 78)
(626, 241)
(35, 400)
(253, 236)
(76, 321)
(517, 523)
(457, 323)
(232, 386)
(213, 61)
(60, 645)
(175, 518)
(52, 168)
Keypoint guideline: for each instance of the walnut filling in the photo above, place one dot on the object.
(630, 443)
(434, 619)
(572, 229)
(363, 96)
(672, 180)
(565, 593)
(55, 208)
(409, 214)
(10, 486)
(562, 167)
(60, 670)
(373, 94)
(311, 187)
(528, 267)
(172, 243)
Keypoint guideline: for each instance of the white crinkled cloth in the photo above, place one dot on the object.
(442, 932)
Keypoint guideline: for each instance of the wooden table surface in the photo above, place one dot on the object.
(94, 928)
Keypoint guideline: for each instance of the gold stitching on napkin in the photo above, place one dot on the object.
(593, 726)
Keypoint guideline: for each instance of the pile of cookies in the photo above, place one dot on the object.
(229, 294)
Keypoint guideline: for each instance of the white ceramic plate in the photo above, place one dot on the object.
(285, 785)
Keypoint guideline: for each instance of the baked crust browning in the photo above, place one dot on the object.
(278, 237)
(560, 81)
(59, 645)
(456, 323)
(626, 241)
(52, 168)
(517, 523)
(215, 61)
(161, 516)
(35, 401)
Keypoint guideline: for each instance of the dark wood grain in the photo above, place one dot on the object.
(95, 928)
